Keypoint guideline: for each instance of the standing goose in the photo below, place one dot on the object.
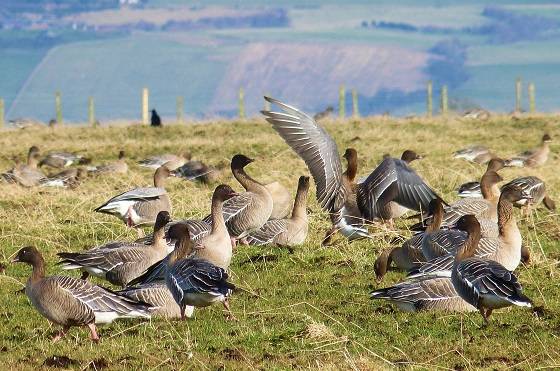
(320, 153)
(214, 246)
(290, 231)
(122, 263)
(504, 249)
(246, 211)
(532, 158)
(63, 159)
(67, 301)
(140, 206)
(172, 162)
(472, 189)
(194, 281)
(28, 175)
(485, 284)
(477, 154)
(118, 167)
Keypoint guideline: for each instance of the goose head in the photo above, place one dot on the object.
(408, 156)
(28, 254)
(239, 161)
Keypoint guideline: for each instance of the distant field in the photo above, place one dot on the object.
(309, 308)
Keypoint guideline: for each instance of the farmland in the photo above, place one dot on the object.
(306, 308)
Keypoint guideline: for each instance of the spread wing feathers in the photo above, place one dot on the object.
(137, 194)
(489, 278)
(233, 207)
(424, 294)
(100, 299)
(316, 147)
(197, 276)
(411, 191)
(266, 234)
(104, 259)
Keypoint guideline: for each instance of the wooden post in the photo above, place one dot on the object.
(355, 110)
(241, 103)
(444, 100)
(1, 113)
(518, 95)
(58, 107)
(341, 102)
(145, 95)
(91, 112)
(532, 104)
(429, 99)
(180, 109)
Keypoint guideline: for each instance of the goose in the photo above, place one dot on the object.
(194, 281)
(197, 170)
(69, 178)
(281, 200)
(532, 158)
(286, 232)
(171, 161)
(320, 153)
(485, 208)
(215, 245)
(504, 249)
(472, 189)
(534, 187)
(485, 284)
(159, 297)
(60, 160)
(118, 167)
(67, 301)
(246, 211)
(122, 262)
(28, 175)
(477, 154)
(140, 206)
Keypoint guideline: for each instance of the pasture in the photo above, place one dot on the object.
(306, 308)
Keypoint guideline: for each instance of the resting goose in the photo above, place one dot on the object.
(140, 206)
(532, 158)
(197, 170)
(118, 167)
(28, 175)
(194, 281)
(159, 297)
(122, 262)
(477, 154)
(485, 284)
(172, 161)
(472, 189)
(320, 153)
(286, 232)
(534, 187)
(63, 159)
(69, 178)
(214, 245)
(504, 249)
(246, 211)
(67, 301)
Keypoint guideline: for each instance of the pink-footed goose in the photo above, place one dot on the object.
(28, 174)
(172, 162)
(67, 301)
(140, 206)
(532, 158)
(389, 182)
(118, 167)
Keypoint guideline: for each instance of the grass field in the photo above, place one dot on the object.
(307, 309)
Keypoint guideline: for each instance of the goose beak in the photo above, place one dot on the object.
(173, 173)
(15, 260)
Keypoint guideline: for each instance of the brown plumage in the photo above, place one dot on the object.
(118, 167)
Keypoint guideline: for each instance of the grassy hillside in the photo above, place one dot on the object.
(309, 308)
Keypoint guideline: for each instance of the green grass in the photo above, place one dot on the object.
(307, 309)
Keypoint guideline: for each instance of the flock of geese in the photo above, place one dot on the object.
(461, 259)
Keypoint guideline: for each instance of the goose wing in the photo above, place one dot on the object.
(266, 234)
(316, 147)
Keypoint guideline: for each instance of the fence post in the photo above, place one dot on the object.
(1, 113)
(532, 104)
(444, 100)
(518, 95)
(241, 103)
(180, 109)
(429, 99)
(341, 102)
(91, 112)
(355, 109)
(58, 107)
(145, 95)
